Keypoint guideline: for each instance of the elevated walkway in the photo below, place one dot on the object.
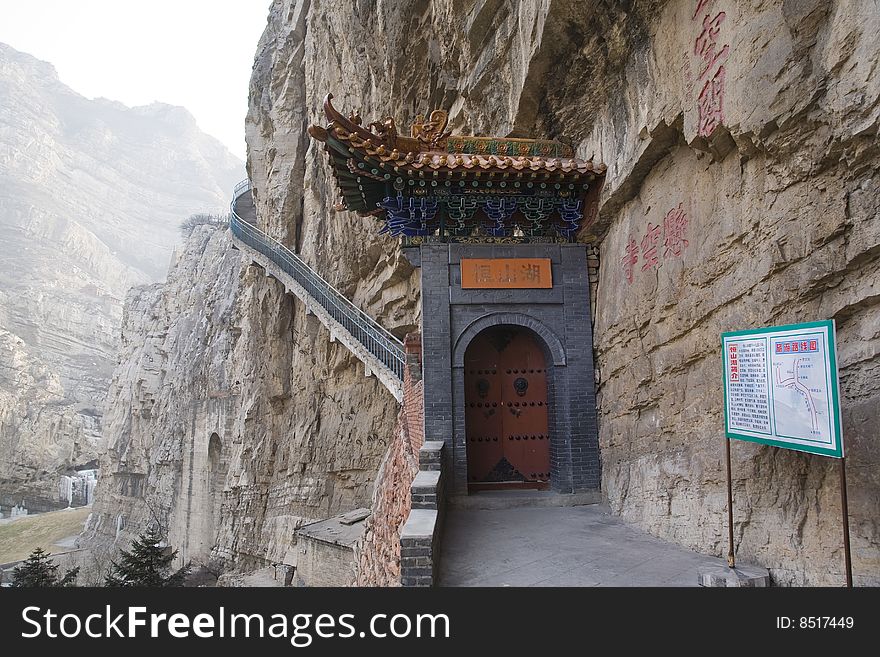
(381, 353)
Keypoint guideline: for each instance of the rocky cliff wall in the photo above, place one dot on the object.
(763, 184)
(742, 143)
(747, 131)
(172, 397)
(92, 194)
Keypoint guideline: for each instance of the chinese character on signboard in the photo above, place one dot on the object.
(499, 273)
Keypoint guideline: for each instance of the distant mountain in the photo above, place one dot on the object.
(92, 194)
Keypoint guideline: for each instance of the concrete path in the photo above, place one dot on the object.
(573, 546)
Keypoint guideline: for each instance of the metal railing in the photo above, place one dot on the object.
(386, 348)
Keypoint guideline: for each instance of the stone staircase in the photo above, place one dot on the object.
(381, 353)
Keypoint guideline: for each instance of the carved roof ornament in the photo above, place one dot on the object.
(429, 137)
(521, 182)
(430, 132)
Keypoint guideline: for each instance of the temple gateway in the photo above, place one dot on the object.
(491, 222)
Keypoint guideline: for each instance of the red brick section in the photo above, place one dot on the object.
(378, 555)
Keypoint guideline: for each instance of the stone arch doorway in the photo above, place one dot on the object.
(215, 452)
(218, 465)
(507, 424)
(215, 447)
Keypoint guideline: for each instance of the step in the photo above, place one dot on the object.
(512, 499)
(424, 489)
(430, 455)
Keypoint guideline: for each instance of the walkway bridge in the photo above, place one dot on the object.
(381, 353)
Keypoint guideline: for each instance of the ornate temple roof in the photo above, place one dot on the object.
(380, 171)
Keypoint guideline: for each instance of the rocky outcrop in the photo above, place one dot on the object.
(761, 179)
(770, 219)
(173, 396)
(91, 201)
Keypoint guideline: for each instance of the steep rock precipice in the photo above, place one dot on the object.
(91, 197)
(776, 214)
(163, 460)
(772, 219)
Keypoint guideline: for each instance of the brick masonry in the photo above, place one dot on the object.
(560, 319)
(421, 534)
(378, 555)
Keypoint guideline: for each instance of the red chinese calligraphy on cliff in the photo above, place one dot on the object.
(711, 104)
(649, 247)
(712, 55)
(630, 259)
(706, 45)
(674, 227)
(673, 231)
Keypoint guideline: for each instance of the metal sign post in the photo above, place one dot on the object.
(731, 559)
(845, 512)
(781, 388)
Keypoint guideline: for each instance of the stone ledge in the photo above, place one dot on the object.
(430, 455)
(419, 526)
(343, 530)
(510, 499)
(426, 482)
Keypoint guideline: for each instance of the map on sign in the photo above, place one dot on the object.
(780, 387)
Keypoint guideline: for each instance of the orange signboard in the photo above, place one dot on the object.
(495, 273)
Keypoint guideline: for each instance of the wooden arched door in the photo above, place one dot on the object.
(506, 427)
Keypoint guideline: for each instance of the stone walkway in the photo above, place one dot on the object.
(573, 546)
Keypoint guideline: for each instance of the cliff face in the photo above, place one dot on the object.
(773, 220)
(161, 463)
(91, 198)
(770, 221)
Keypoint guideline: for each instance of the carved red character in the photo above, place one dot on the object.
(630, 259)
(649, 246)
(674, 228)
(702, 4)
(706, 45)
(711, 104)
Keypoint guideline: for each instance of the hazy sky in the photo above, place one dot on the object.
(195, 53)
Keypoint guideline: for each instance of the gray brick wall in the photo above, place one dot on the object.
(421, 534)
(561, 319)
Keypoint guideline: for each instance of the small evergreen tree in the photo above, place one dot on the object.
(39, 570)
(148, 563)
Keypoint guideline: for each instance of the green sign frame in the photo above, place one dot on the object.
(761, 407)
